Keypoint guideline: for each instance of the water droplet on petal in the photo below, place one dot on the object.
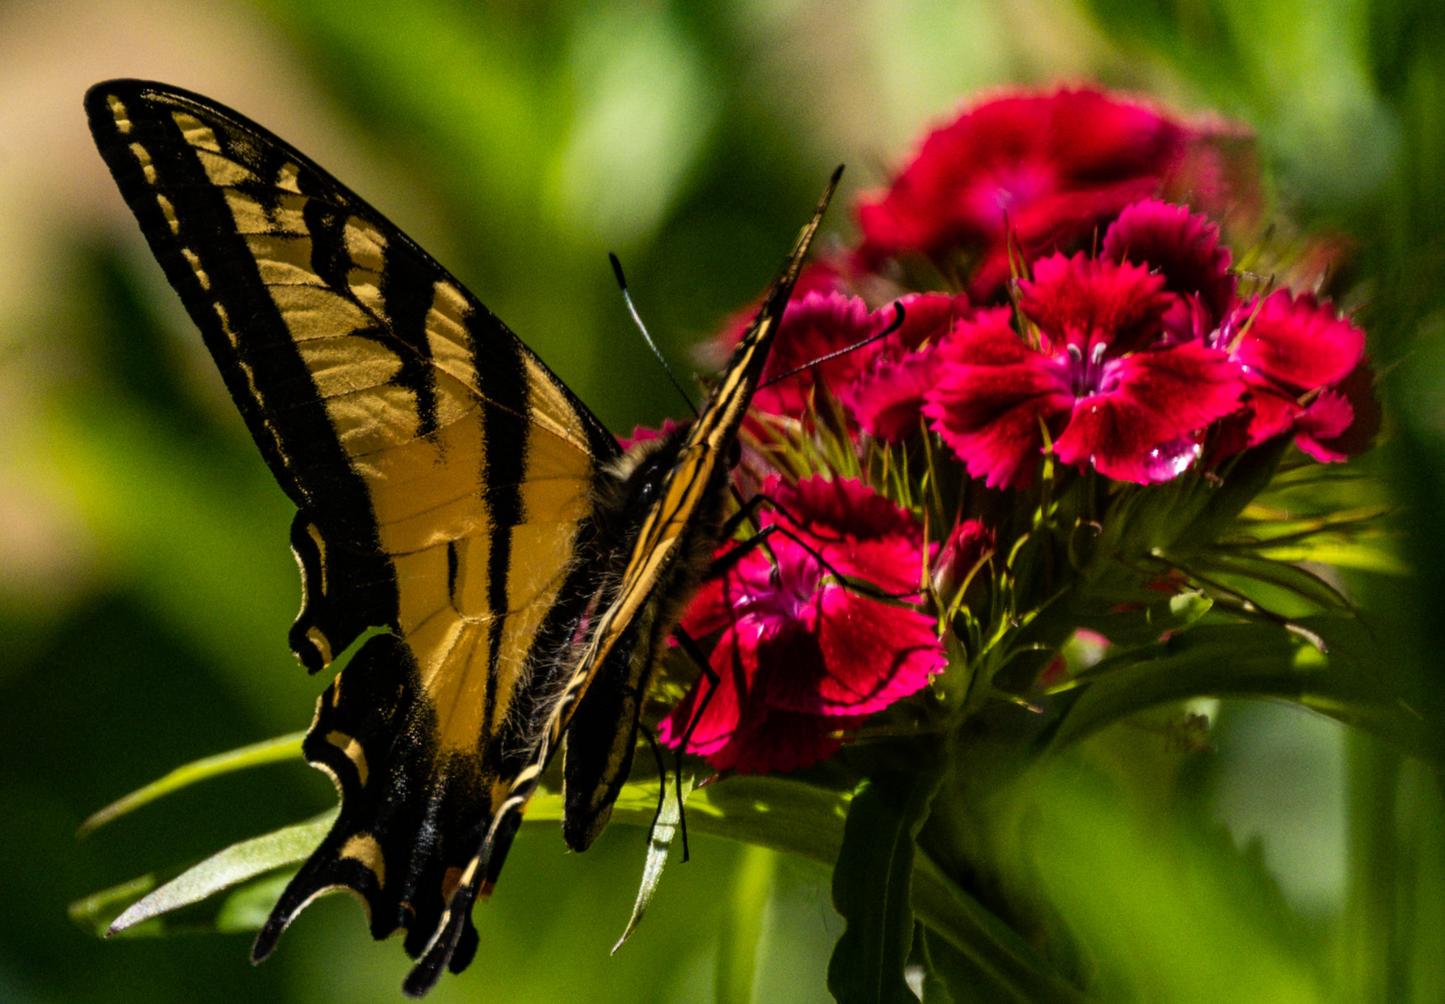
(1169, 460)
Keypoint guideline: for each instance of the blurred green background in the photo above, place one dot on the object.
(145, 585)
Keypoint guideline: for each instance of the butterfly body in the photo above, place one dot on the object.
(450, 490)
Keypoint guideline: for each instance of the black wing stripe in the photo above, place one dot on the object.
(504, 389)
(193, 223)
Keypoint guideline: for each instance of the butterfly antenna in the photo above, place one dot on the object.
(897, 323)
(637, 319)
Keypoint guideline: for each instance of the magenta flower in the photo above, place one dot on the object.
(801, 656)
(886, 398)
(1294, 353)
(1051, 168)
(813, 326)
(1184, 248)
(1108, 393)
(968, 546)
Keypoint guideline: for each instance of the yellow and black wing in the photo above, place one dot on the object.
(660, 509)
(451, 490)
(444, 481)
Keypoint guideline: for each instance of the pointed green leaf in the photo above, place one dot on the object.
(268, 751)
(236, 864)
(1127, 628)
(1253, 660)
(659, 843)
(873, 885)
(98, 911)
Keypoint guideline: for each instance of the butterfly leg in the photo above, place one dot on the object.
(725, 563)
(690, 648)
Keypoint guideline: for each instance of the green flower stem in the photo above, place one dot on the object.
(1369, 946)
(742, 932)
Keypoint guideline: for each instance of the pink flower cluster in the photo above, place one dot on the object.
(802, 654)
(1101, 324)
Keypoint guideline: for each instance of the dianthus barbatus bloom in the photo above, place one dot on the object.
(1295, 354)
(1184, 248)
(813, 326)
(1097, 377)
(802, 656)
(886, 396)
(1047, 169)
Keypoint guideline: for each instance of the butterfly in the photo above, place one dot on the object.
(524, 570)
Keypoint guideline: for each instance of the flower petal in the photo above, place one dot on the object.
(927, 317)
(1359, 390)
(985, 171)
(851, 527)
(853, 656)
(1087, 302)
(812, 327)
(1149, 400)
(1326, 417)
(1183, 246)
(734, 660)
(1296, 341)
(993, 395)
(783, 741)
(887, 398)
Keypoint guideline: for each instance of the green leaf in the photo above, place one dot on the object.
(1240, 571)
(249, 905)
(98, 911)
(269, 751)
(659, 843)
(1127, 628)
(225, 869)
(933, 984)
(873, 885)
(1253, 660)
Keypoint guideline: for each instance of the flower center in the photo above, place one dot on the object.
(1086, 376)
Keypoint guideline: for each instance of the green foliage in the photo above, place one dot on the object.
(873, 882)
